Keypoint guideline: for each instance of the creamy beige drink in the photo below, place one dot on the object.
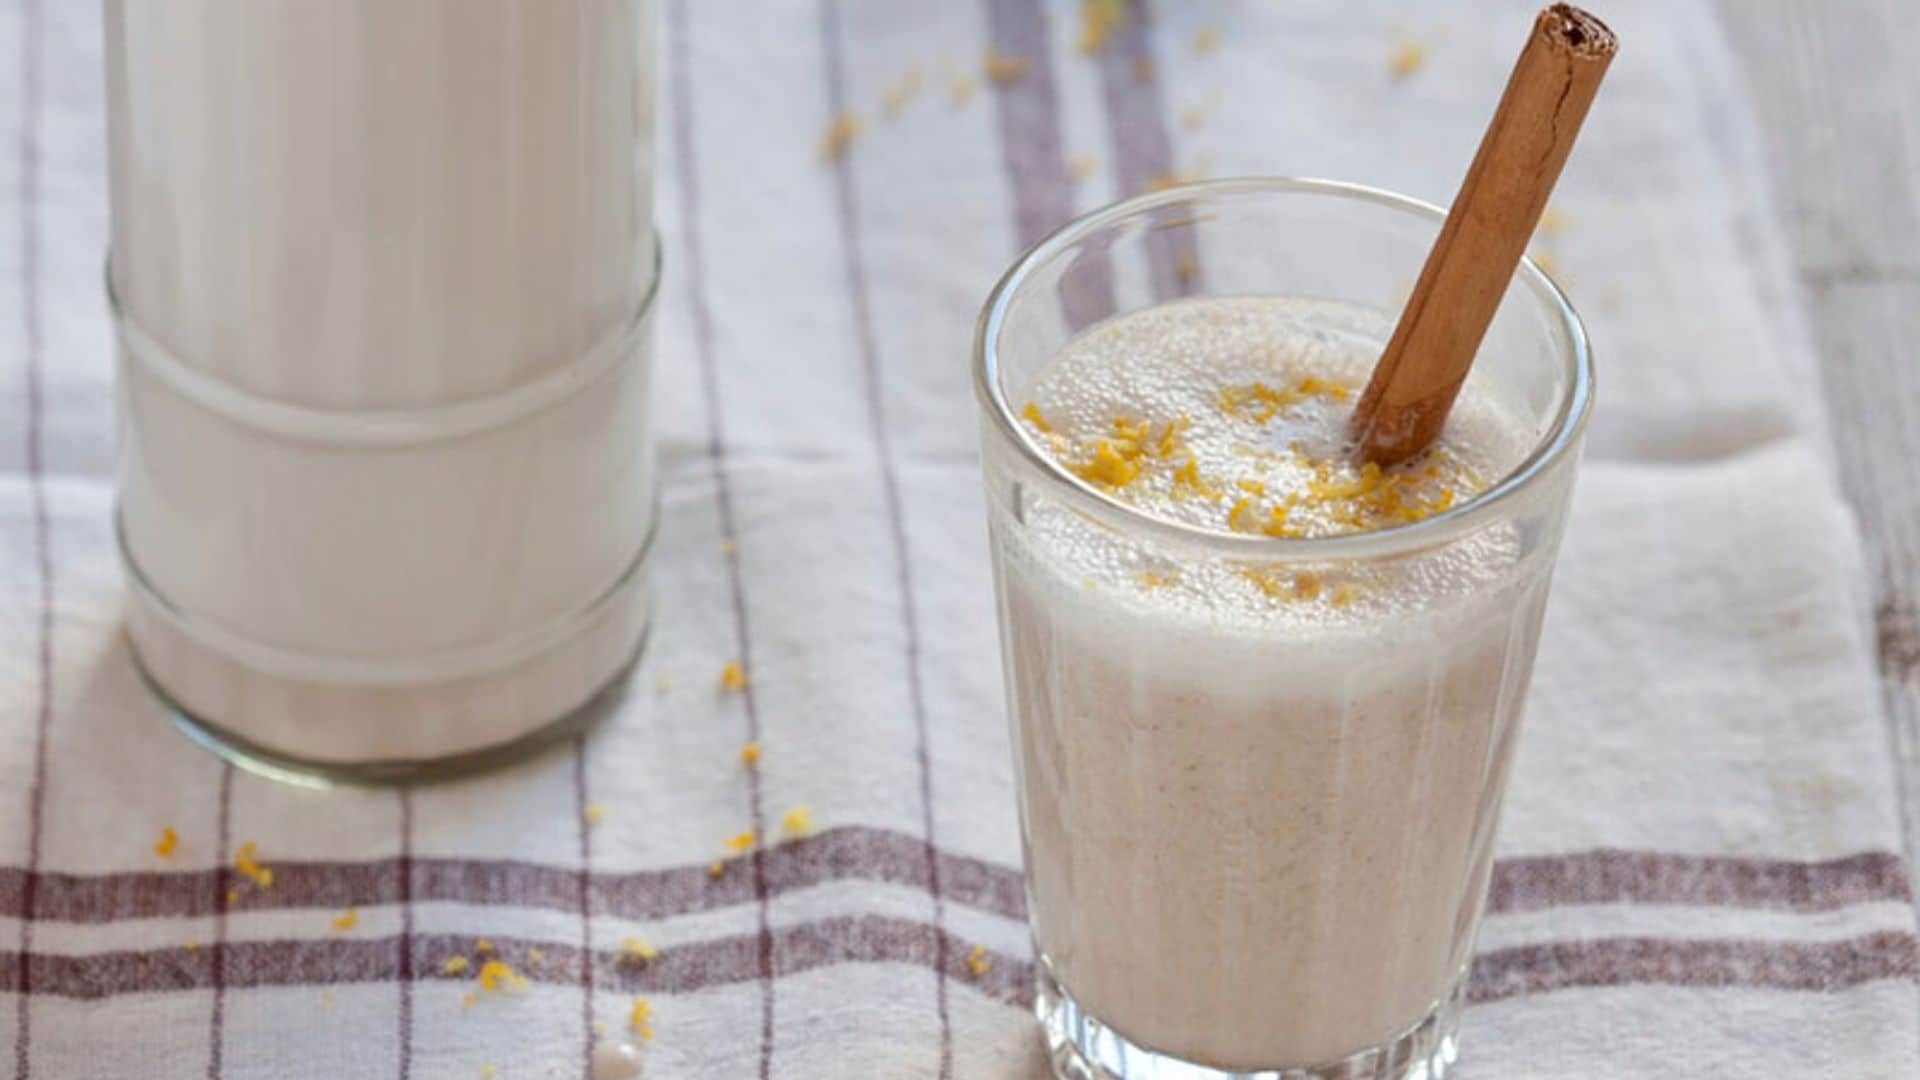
(1258, 793)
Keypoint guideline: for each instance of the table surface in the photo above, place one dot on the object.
(1695, 867)
(1839, 105)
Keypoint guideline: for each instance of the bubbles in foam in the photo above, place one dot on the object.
(1258, 392)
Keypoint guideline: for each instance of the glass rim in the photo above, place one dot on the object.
(1561, 437)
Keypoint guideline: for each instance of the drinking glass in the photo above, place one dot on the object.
(1258, 845)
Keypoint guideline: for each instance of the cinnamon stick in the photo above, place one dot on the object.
(1500, 201)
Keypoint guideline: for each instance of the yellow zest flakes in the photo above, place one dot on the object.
(716, 868)
(1251, 486)
(1313, 385)
(594, 813)
(840, 133)
(797, 821)
(1187, 480)
(1265, 580)
(1151, 580)
(1406, 58)
(635, 951)
(1205, 40)
(733, 677)
(1108, 467)
(1277, 524)
(1255, 401)
(637, 1018)
(1236, 517)
(977, 961)
(1306, 585)
(193, 945)
(1034, 417)
(1169, 440)
(483, 946)
(1366, 482)
(1080, 166)
(741, 841)
(1344, 594)
(345, 920)
(496, 976)
(1003, 68)
(1100, 20)
(233, 895)
(1186, 267)
(960, 90)
(901, 93)
(168, 841)
(1165, 180)
(750, 754)
(1129, 434)
(243, 861)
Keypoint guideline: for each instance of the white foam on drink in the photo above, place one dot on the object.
(1175, 361)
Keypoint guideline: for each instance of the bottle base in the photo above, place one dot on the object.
(287, 768)
(1081, 1047)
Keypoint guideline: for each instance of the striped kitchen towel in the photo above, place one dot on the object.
(1699, 870)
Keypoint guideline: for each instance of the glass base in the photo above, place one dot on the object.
(1082, 1048)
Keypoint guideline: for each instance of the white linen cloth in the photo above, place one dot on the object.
(1700, 870)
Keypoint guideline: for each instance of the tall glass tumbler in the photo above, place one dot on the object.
(1257, 841)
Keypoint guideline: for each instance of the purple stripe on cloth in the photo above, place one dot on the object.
(1034, 153)
(1777, 965)
(34, 342)
(222, 888)
(1609, 876)
(405, 950)
(679, 48)
(858, 296)
(1143, 148)
(853, 853)
(1808, 967)
(583, 886)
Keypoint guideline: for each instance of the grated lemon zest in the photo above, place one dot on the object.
(496, 977)
(977, 961)
(797, 821)
(1003, 68)
(840, 133)
(245, 863)
(1099, 21)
